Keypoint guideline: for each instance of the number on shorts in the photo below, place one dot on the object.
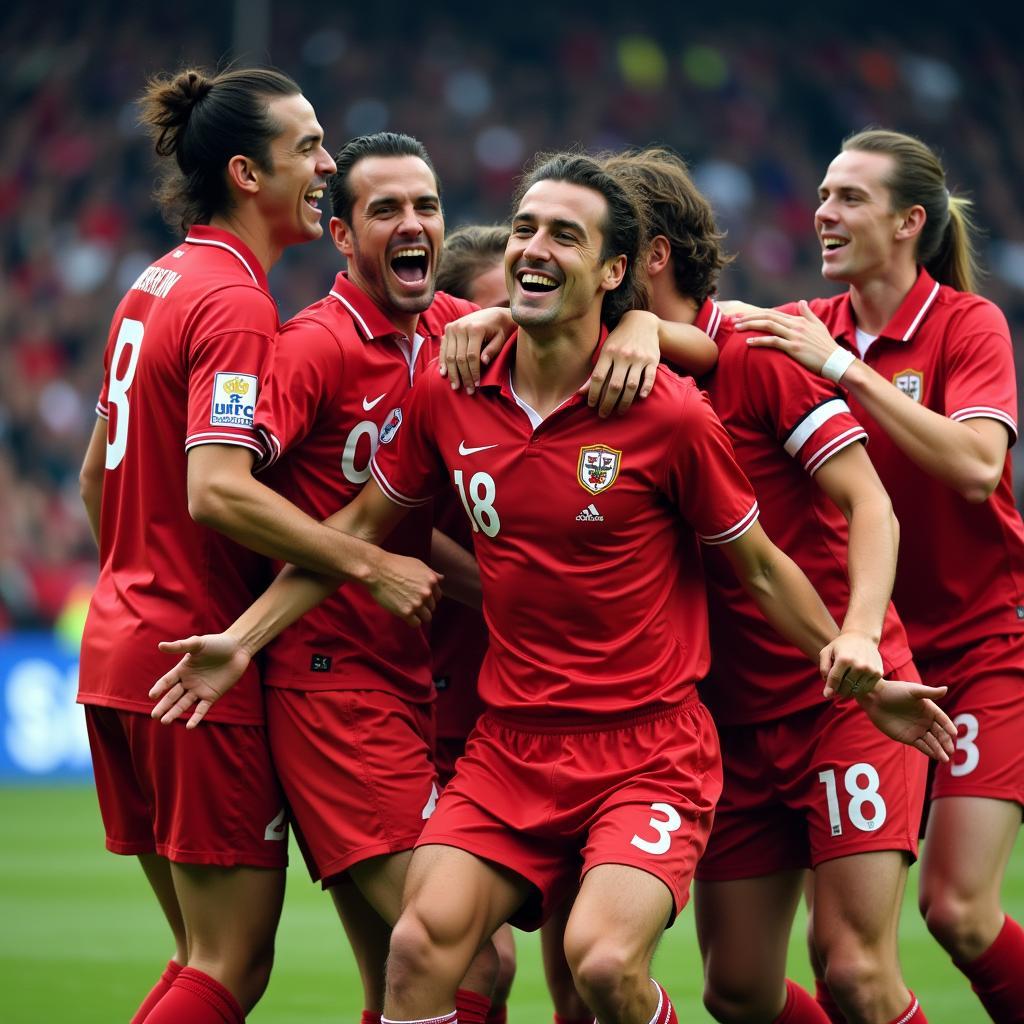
(367, 429)
(483, 515)
(277, 829)
(860, 796)
(966, 745)
(664, 830)
(129, 336)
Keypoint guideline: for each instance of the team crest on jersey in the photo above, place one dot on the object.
(234, 399)
(910, 382)
(598, 467)
(391, 425)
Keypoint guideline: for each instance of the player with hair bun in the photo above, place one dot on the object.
(170, 496)
(927, 368)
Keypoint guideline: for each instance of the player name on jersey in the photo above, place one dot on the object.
(156, 281)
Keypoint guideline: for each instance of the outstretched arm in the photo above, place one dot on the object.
(211, 664)
(966, 455)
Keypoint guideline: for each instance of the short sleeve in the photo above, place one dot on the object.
(407, 464)
(227, 352)
(980, 377)
(703, 478)
(809, 419)
(304, 372)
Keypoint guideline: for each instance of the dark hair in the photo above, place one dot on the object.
(677, 210)
(203, 121)
(378, 144)
(467, 253)
(625, 225)
(945, 246)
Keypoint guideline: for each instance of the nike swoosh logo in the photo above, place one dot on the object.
(368, 405)
(463, 450)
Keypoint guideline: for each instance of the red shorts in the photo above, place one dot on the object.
(552, 805)
(986, 684)
(815, 785)
(200, 796)
(356, 767)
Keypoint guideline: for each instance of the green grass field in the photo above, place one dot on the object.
(82, 939)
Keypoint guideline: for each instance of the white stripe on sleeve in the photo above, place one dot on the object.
(809, 424)
(390, 493)
(734, 532)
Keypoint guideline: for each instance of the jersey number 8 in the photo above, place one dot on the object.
(128, 337)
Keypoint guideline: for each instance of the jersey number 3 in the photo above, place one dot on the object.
(128, 337)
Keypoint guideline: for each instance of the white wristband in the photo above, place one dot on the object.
(837, 364)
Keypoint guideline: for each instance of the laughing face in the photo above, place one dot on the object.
(553, 264)
(394, 241)
(855, 222)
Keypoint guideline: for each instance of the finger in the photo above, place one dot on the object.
(494, 345)
(190, 645)
(169, 700)
(451, 357)
(612, 392)
(770, 341)
(598, 379)
(199, 714)
(183, 703)
(834, 681)
(647, 377)
(630, 386)
(942, 736)
(465, 372)
(164, 683)
(928, 745)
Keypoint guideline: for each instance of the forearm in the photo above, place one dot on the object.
(687, 347)
(792, 606)
(459, 568)
(952, 452)
(871, 565)
(92, 498)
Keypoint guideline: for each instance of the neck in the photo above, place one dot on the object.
(256, 238)
(403, 322)
(668, 304)
(554, 363)
(875, 302)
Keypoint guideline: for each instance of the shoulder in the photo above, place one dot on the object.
(239, 306)
(443, 310)
(324, 323)
(972, 312)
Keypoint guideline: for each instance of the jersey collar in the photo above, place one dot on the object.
(907, 319)
(370, 321)
(217, 238)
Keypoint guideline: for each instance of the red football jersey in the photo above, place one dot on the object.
(586, 534)
(339, 374)
(785, 424)
(458, 638)
(184, 360)
(961, 566)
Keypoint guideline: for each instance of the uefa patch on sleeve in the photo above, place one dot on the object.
(234, 399)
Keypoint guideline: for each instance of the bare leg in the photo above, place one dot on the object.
(368, 935)
(567, 1001)
(743, 927)
(158, 874)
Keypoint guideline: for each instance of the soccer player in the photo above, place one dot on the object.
(595, 759)
(170, 457)
(806, 784)
(927, 367)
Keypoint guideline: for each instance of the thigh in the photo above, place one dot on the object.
(743, 929)
(356, 768)
(213, 796)
(985, 683)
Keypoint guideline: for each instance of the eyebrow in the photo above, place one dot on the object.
(427, 197)
(557, 223)
(317, 138)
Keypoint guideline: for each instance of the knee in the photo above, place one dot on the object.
(607, 976)
(737, 1001)
(953, 920)
(857, 978)
(411, 953)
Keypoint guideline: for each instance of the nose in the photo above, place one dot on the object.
(537, 249)
(325, 164)
(825, 213)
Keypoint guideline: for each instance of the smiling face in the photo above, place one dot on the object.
(553, 264)
(290, 193)
(856, 225)
(394, 241)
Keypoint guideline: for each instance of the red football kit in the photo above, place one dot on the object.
(586, 534)
(183, 365)
(782, 744)
(960, 583)
(349, 684)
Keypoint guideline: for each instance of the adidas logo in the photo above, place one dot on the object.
(590, 515)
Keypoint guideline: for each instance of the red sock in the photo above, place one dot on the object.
(499, 1015)
(573, 1020)
(823, 995)
(800, 1007)
(997, 976)
(471, 1007)
(913, 1014)
(369, 1017)
(665, 1013)
(448, 1018)
(197, 998)
(157, 992)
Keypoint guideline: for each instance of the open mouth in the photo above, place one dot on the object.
(831, 244)
(313, 197)
(410, 264)
(537, 283)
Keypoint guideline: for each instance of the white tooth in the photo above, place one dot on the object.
(410, 252)
(536, 279)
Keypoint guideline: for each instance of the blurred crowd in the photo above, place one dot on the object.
(757, 109)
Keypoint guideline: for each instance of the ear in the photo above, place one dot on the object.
(613, 272)
(341, 233)
(243, 174)
(659, 253)
(912, 223)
